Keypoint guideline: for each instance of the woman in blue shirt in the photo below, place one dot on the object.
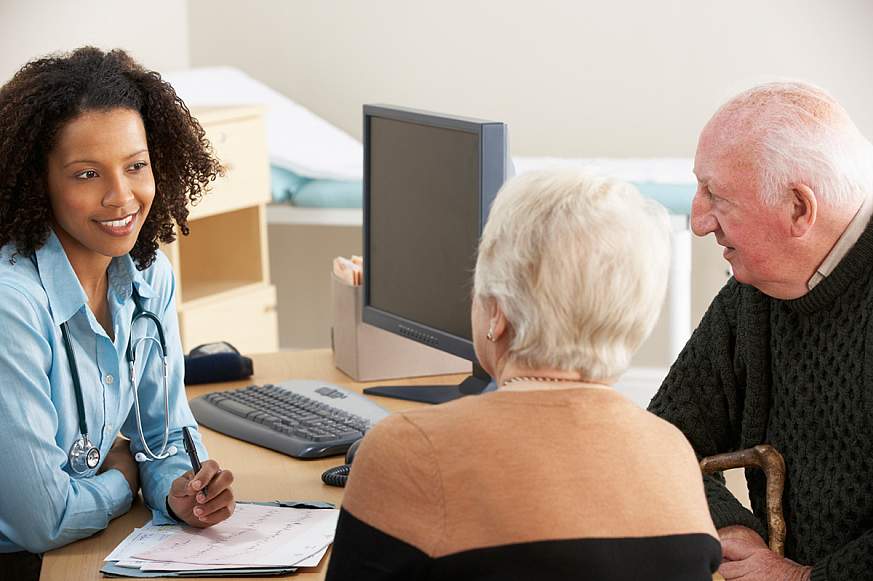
(98, 162)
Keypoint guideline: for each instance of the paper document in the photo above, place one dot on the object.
(311, 561)
(350, 271)
(140, 540)
(264, 539)
(255, 535)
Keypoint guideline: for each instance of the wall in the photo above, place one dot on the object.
(155, 33)
(300, 265)
(572, 78)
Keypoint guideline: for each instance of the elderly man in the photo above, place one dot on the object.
(784, 355)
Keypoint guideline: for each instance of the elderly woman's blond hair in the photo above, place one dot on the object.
(578, 264)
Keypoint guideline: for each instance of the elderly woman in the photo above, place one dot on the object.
(555, 475)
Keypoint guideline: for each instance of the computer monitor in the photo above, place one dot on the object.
(429, 180)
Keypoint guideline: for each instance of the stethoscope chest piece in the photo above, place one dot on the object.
(84, 455)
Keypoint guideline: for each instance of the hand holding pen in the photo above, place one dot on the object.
(191, 450)
(202, 496)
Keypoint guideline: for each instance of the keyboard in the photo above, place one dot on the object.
(303, 419)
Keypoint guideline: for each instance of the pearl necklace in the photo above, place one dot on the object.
(536, 379)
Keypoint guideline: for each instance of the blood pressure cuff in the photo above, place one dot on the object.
(216, 362)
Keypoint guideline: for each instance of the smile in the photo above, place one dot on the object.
(118, 223)
(120, 227)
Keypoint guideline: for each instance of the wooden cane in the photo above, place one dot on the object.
(765, 457)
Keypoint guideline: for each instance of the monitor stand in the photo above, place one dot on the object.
(478, 382)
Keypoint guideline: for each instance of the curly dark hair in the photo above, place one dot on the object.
(49, 92)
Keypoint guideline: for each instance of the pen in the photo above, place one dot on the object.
(192, 454)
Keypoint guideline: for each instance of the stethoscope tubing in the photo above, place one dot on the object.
(83, 444)
(74, 371)
(164, 453)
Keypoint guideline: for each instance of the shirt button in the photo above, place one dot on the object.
(109, 379)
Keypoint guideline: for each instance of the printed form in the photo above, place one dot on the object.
(254, 536)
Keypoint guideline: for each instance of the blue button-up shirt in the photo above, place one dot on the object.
(43, 503)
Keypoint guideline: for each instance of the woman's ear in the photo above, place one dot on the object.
(497, 323)
(804, 209)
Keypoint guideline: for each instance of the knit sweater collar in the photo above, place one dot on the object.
(858, 260)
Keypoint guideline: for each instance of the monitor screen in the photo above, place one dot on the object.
(429, 182)
(424, 225)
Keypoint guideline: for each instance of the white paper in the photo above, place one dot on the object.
(255, 535)
(129, 564)
(152, 566)
(311, 561)
(141, 539)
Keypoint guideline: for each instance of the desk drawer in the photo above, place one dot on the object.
(241, 147)
(245, 318)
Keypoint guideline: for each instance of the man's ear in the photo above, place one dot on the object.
(804, 209)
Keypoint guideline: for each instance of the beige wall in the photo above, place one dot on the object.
(571, 77)
(155, 33)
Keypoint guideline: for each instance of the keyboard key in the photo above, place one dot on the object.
(236, 408)
(349, 435)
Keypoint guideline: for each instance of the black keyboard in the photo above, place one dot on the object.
(304, 419)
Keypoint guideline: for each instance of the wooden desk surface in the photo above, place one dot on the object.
(259, 473)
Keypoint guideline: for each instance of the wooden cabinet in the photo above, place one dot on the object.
(222, 267)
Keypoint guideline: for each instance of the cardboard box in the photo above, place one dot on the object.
(367, 353)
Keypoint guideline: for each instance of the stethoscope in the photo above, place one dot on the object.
(84, 455)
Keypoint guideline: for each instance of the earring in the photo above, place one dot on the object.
(490, 334)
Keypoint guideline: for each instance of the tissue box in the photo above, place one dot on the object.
(367, 353)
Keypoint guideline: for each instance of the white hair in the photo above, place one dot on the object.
(579, 266)
(798, 133)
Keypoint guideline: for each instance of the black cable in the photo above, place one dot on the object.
(337, 475)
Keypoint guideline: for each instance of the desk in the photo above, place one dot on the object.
(259, 473)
